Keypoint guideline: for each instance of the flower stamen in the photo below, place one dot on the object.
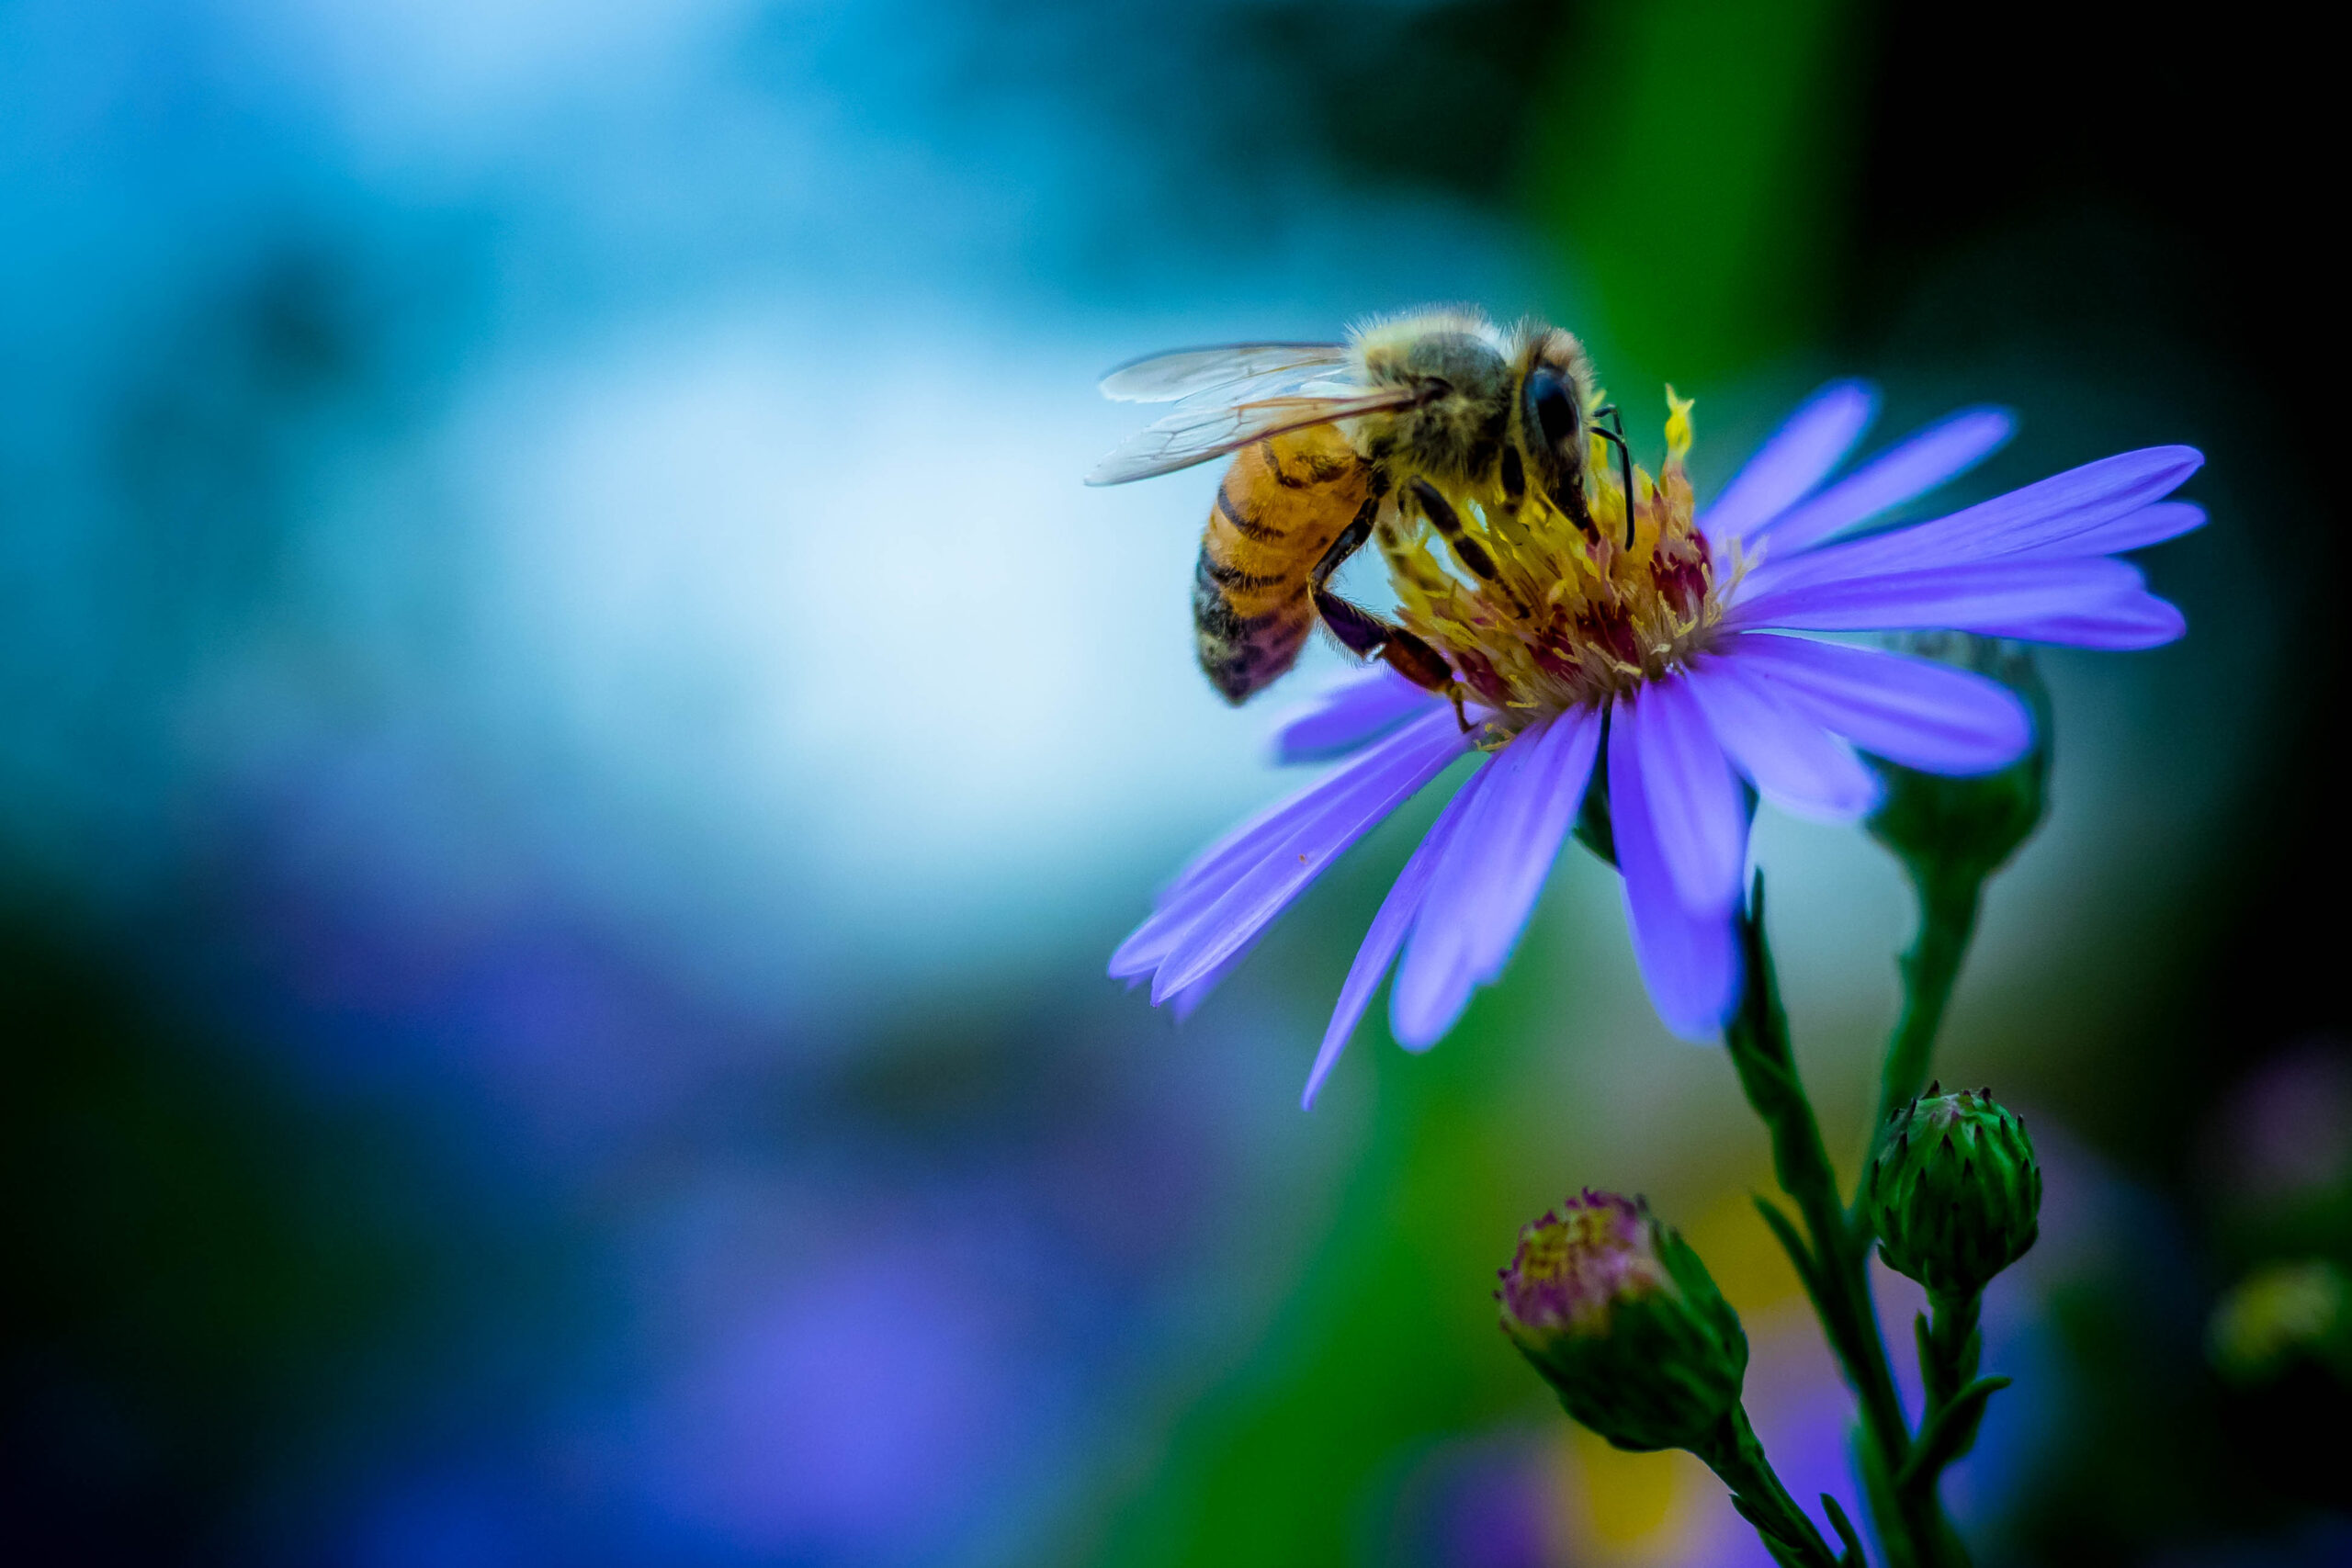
(1542, 616)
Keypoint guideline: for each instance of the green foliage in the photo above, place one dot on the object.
(1386, 1340)
(1690, 175)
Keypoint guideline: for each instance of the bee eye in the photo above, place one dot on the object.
(1556, 411)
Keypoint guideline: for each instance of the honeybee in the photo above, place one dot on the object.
(1332, 439)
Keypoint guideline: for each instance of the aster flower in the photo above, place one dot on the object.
(1672, 672)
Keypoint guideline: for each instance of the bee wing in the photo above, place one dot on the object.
(1164, 377)
(1196, 436)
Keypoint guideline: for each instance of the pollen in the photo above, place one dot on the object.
(1564, 618)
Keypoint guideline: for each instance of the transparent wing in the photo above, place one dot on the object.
(1164, 377)
(1197, 434)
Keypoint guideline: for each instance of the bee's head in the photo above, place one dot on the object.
(1553, 387)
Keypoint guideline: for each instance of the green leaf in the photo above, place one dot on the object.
(1769, 1527)
(1785, 1231)
(1852, 1557)
(1878, 1490)
(1948, 1435)
(1758, 1039)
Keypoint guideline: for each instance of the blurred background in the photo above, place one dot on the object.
(571, 750)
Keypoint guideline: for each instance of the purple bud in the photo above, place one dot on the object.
(1575, 1262)
(1619, 1316)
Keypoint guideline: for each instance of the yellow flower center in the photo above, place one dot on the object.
(1569, 619)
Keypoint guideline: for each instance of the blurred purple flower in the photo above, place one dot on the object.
(1486, 1501)
(1689, 691)
(828, 1424)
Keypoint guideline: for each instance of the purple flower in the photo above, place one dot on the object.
(1664, 667)
(1577, 1262)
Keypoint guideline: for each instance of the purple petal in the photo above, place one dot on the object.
(1912, 711)
(1493, 872)
(1214, 870)
(1933, 456)
(1433, 967)
(2129, 623)
(1388, 934)
(1794, 762)
(1799, 456)
(1346, 715)
(1555, 790)
(2096, 602)
(1267, 887)
(1690, 961)
(1694, 797)
(1183, 1003)
(2133, 530)
(2059, 509)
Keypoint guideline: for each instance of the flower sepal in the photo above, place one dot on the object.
(1952, 832)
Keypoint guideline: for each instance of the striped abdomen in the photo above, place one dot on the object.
(1281, 504)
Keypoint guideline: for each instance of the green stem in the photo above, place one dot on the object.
(1947, 923)
(1949, 1347)
(1733, 1452)
(1836, 1269)
(1834, 1258)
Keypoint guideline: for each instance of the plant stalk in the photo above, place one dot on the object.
(1833, 1257)
(1735, 1456)
(1947, 924)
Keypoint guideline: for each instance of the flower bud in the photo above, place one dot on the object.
(1619, 1316)
(1952, 833)
(1955, 1192)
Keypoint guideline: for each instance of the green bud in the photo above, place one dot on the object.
(1955, 832)
(1955, 1192)
(1619, 1316)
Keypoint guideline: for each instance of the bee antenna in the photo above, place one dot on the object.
(1624, 459)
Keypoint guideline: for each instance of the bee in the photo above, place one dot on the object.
(1330, 440)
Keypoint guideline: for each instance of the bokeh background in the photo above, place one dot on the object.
(571, 750)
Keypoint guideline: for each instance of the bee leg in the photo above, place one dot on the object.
(1364, 634)
(1423, 665)
(1625, 457)
(1360, 631)
(1419, 663)
(1349, 541)
(1467, 550)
